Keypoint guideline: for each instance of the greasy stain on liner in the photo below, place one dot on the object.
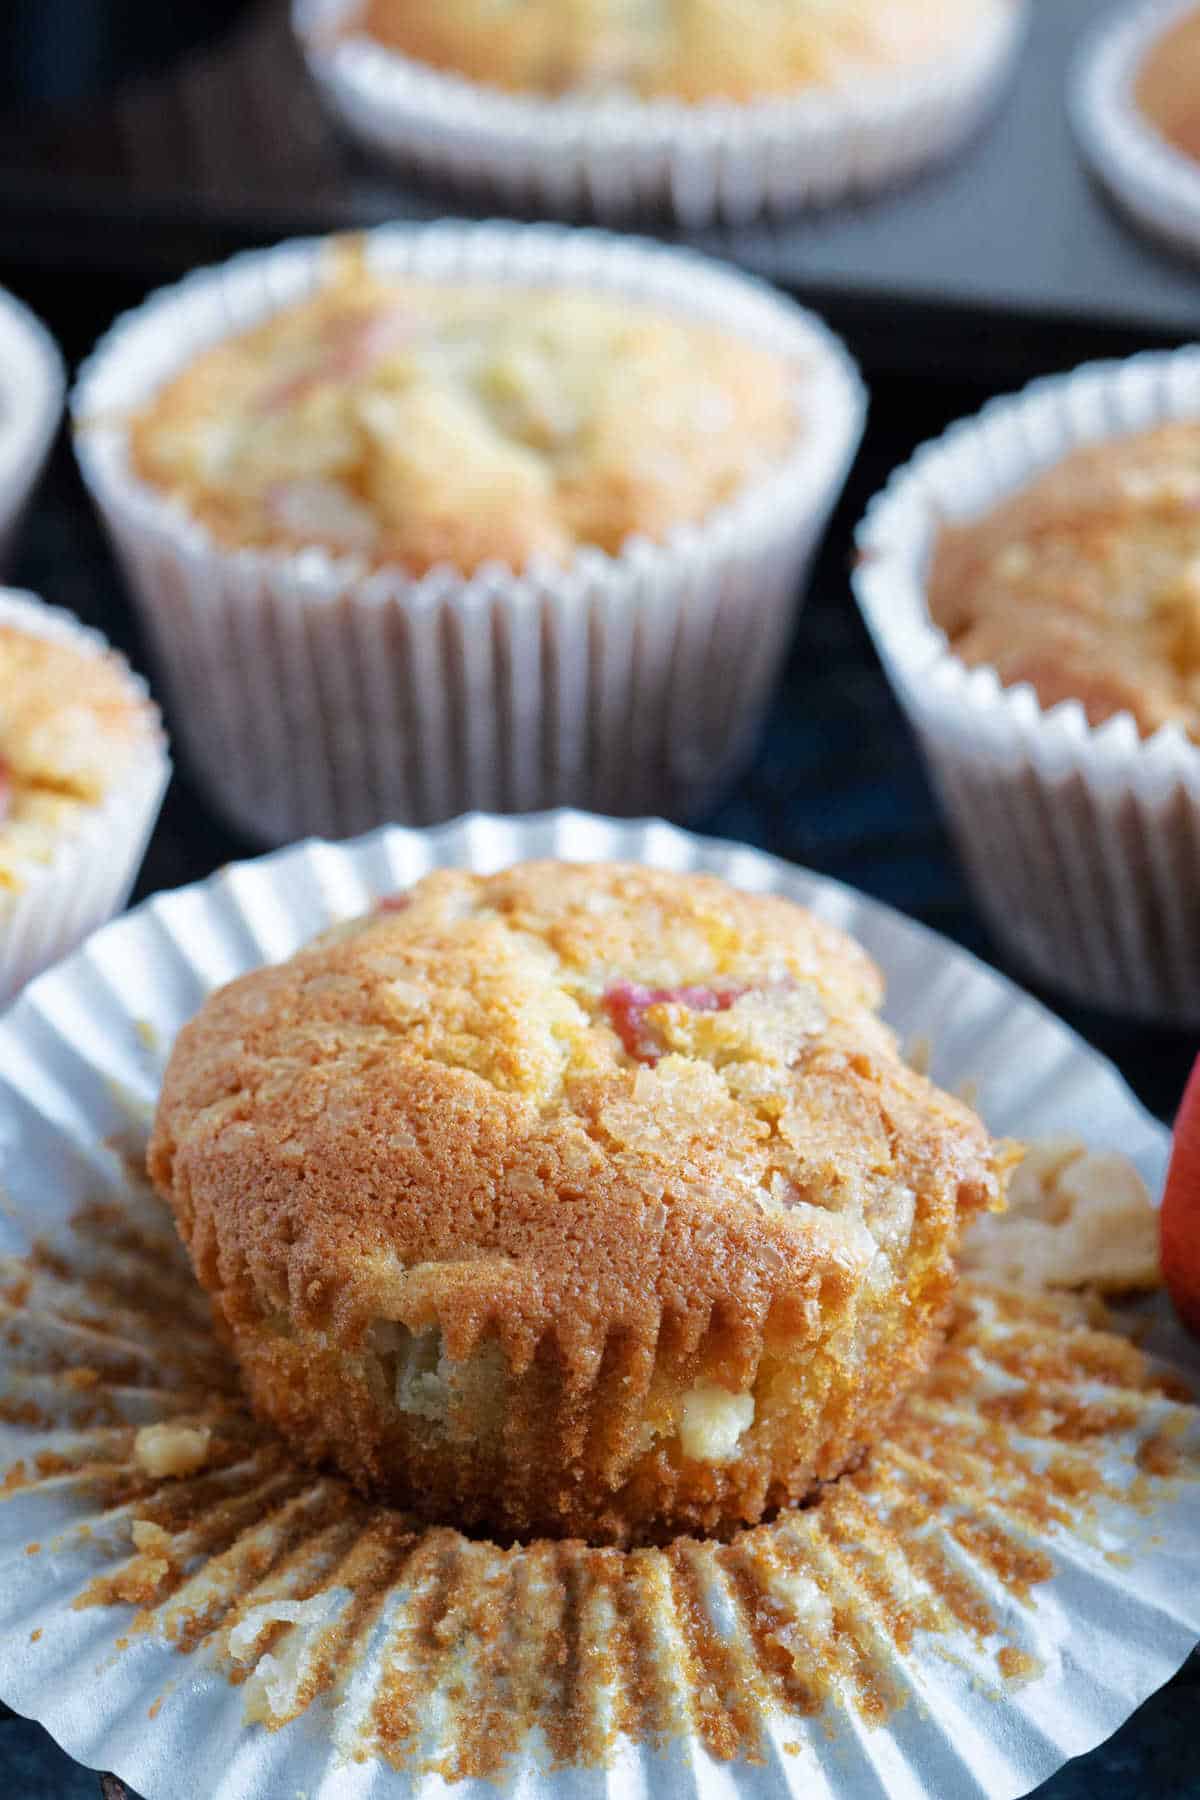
(1030, 1417)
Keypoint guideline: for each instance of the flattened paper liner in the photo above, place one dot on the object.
(1015, 1569)
(32, 383)
(91, 872)
(314, 695)
(1082, 842)
(1156, 184)
(617, 156)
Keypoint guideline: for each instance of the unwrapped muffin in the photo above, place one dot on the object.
(578, 1199)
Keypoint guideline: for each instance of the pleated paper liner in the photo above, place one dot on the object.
(1014, 1568)
(1157, 185)
(312, 694)
(616, 156)
(1082, 842)
(32, 384)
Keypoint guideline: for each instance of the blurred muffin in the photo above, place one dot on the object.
(418, 423)
(1086, 582)
(32, 382)
(82, 768)
(1167, 88)
(1135, 101)
(693, 50)
(1031, 584)
(574, 1199)
(466, 517)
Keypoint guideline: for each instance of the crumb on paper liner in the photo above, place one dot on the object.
(1031, 1428)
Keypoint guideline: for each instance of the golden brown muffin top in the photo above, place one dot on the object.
(562, 1099)
(71, 725)
(690, 50)
(1167, 89)
(415, 423)
(1086, 583)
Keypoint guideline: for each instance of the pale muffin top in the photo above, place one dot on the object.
(690, 50)
(1086, 583)
(1167, 89)
(416, 424)
(72, 725)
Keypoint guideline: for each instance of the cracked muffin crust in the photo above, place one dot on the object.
(1086, 583)
(689, 50)
(415, 423)
(72, 726)
(579, 1200)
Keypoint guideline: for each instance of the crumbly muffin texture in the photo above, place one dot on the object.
(689, 50)
(415, 423)
(1167, 88)
(1076, 1218)
(574, 1199)
(1086, 583)
(71, 727)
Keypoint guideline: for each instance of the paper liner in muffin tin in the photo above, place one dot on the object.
(312, 695)
(1011, 1574)
(1156, 184)
(89, 876)
(32, 383)
(1082, 842)
(616, 156)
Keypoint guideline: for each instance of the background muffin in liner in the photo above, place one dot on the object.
(616, 156)
(312, 695)
(89, 876)
(1156, 183)
(1082, 842)
(32, 383)
(1014, 1571)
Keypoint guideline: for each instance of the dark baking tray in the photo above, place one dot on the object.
(1003, 262)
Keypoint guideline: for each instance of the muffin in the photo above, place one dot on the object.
(466, 517)
(693, 51)
(1086, 582)
(577, 1199)
(1167, 89)
(1134, 103)
(82, 769)
(31, 400)
(711, 109)
(420, 424)
(1030, 581)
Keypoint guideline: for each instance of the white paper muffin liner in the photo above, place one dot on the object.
(32, 383)
(313, 696)
(617, 156)
(1155, 183)
(1082, 842)
(981, 1605)
(89, 877)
